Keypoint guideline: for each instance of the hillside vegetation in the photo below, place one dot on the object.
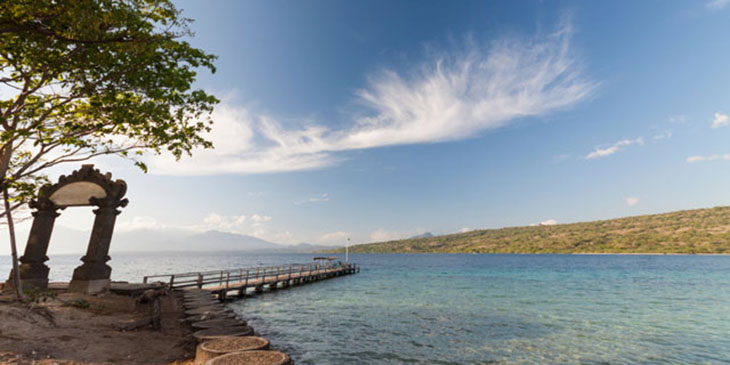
(689, 231)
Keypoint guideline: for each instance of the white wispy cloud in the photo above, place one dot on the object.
(699, 158)
(220, 222)
(248, 143)
(144, 223)
(663, 135)
(243, 224)
(455, 95)
(717, 4)
(317, 199)
(258, 219)
(610, 150)
(632, 201)
(329, 238)
(561, 157)
(256, 225)
(677, 119)
(720, 120)
(692, 159)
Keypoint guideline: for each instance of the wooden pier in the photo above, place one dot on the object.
(223, 282)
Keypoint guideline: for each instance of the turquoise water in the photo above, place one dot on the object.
(478, 309)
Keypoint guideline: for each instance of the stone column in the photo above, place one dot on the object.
(93, 276)
(33, 270)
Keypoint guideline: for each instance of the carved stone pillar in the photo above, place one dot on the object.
(84, 187)
(33, 270)
(93, 276)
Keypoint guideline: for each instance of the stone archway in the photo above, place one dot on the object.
(84, 187)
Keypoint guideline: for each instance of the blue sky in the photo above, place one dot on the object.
(378, 120)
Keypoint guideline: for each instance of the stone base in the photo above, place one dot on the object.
(89, 286)
(9, 286)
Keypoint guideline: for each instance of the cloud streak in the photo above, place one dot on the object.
(610, 150)
(677, 119)
(453, 96)
(662, 136)
(720, 120)
(693, 159)
(318, 199)
(717, 4)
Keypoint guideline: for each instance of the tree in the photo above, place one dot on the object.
(84, 78)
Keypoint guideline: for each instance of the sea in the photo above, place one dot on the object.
(478, 308)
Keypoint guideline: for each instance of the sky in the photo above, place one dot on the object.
(379, 120)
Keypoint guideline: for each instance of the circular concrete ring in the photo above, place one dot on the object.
(265, 357)
(224, 345)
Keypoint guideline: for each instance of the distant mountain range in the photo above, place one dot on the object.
(69, 240)
(225, 241)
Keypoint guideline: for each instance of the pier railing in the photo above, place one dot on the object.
(236, 277)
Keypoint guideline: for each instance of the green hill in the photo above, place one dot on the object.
(689, 231)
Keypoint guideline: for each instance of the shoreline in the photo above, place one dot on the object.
(151, 322)
(544, 253)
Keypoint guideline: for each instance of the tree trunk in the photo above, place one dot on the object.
(13, 246)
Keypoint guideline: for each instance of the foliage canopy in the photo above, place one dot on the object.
(84, 78)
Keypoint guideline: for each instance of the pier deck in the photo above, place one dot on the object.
(223, 282)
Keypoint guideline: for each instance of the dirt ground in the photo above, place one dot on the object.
(57, 332)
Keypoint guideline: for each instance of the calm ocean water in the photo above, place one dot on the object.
(478, 309)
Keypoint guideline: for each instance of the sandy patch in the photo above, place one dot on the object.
(53, 332)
